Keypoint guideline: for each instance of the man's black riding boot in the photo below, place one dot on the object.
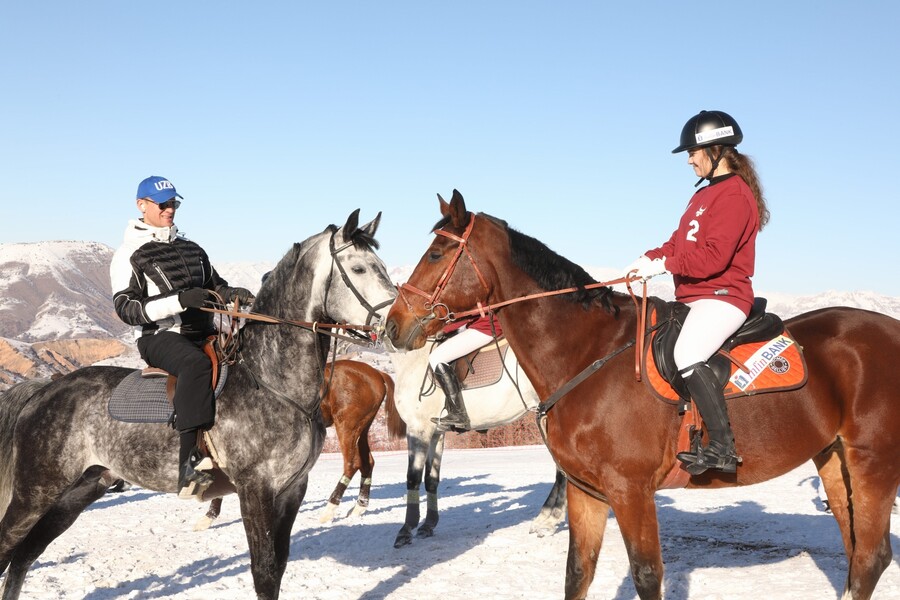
(192, 466)
(708, 397)
(456, 418)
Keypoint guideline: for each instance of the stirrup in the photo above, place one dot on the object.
(699, 462)
(451, 423)
(194, 485)
(193, 477)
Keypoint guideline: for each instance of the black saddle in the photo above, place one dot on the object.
(759, 327)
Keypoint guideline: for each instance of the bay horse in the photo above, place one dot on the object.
(418, 400)
(62, 450)
(353, 393)
(616, 441)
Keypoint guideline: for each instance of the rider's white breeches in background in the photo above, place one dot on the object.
(707, 326)
(464, 342)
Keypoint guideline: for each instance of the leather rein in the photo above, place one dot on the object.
(357, 333)
(434, 306)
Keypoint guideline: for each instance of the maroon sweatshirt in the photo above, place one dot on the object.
(713, 251)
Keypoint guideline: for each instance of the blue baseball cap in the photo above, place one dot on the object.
(156, 188)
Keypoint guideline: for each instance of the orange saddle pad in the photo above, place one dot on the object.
(772, 366)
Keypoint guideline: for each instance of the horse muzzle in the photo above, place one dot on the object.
(407, 335)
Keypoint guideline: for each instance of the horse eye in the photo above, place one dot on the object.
(434, 256)
(358, 270)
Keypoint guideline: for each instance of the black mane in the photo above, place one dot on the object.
(552, 271)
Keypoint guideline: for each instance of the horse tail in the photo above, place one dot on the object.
(12, 401)
(396, 425)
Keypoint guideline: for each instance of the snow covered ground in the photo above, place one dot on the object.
(766, 541)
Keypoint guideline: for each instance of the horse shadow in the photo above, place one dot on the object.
(495, 507)
(743, 535)
(333, 540)
(726, 535)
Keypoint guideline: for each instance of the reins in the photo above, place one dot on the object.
(314, 326)
(482, 309)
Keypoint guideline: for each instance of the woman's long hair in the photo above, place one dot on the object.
(743, 166)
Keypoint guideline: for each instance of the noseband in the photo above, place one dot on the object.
(432, 301)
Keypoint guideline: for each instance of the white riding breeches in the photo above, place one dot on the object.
(464, 342)
(708, 324)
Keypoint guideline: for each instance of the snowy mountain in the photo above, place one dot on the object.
(54, 294)
(54, 290)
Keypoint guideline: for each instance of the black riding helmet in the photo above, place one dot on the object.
(706, 129)
(709, 128)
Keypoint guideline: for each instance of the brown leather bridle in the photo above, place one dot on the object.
(483, 308)
(432, 303)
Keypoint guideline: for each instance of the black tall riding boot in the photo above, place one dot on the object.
(456, 411)
(710, 401)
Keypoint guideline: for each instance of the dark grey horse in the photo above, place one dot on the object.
(60, 449)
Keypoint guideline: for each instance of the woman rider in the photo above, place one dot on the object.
(711, 257)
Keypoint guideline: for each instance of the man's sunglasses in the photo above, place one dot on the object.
(169, 204)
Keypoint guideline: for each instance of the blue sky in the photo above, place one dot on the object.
(275, 119)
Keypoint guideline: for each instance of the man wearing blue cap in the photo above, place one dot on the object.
(160, 279)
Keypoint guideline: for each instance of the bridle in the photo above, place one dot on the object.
(373, 310)
(432, 303)
(357, 334)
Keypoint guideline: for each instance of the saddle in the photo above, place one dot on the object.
(145, 396)
(483, 367)
(761, 356)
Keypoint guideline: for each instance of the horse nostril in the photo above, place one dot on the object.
(390, 329)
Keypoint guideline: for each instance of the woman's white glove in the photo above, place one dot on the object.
(642, 263)
(646, 268)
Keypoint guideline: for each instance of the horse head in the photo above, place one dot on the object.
(352, 249)
(478, 261)
(448, 278)
(333, 277)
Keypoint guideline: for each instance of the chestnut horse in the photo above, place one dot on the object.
(616, 442)
(354, 391)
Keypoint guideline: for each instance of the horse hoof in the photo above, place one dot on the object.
(327, 515)
(203, 523)
(403, 539)
(357, 511)
(425, 532)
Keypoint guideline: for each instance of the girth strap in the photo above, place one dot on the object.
(547, 404)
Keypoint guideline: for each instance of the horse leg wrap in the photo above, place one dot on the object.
(412, 509)
(339, 490)
(365, 489)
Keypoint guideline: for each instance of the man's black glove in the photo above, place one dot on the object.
(193, 297)
(243, 295)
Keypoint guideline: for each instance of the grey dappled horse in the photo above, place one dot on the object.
(490, 406)
(61, 450)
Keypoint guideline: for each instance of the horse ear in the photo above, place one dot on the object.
(372, 226)
(445, 208)
(350, 226)
(457, 210)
